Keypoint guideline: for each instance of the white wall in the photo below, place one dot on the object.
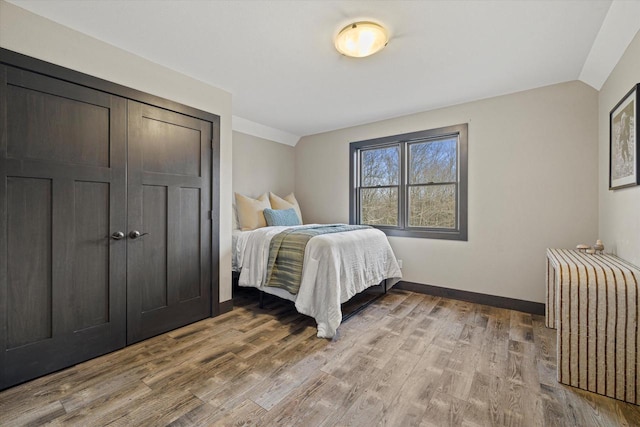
(32, 35)
(261, 165)
(533, 160)
(619, 226)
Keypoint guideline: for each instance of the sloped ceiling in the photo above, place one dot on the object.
(278, 61)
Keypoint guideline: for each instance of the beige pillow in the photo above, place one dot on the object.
(250, 211)
(234, 216)
(287, 202)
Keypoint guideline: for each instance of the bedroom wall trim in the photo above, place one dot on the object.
(225, 306)
(475, 297)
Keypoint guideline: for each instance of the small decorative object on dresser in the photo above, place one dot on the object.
(582, 248)
(599, 247)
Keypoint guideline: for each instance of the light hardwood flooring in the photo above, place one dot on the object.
(407, 359)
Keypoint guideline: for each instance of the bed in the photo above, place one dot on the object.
(335, 267)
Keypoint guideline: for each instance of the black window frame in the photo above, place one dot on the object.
(403, 141)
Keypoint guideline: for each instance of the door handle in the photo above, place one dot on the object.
(135, 234)
(117, 235)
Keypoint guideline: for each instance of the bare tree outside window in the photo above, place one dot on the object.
(380, 181)
(412, 184)
(433, 183)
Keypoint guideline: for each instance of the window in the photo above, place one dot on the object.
(412, 185)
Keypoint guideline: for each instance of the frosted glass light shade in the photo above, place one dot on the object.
(361, 39)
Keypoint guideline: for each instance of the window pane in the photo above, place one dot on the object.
(379, 206)
(380, 166)
(432, 206)
(433, 161)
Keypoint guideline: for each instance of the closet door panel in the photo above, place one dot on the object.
(29, 261)
(153, 274)
(89, 291)
(38, 109)
(189, 242)
(161, 154)
(62, 194)
(169, 269)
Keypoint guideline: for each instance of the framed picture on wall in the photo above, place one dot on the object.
(623, 142)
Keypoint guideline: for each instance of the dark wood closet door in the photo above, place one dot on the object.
(62, 194)
(169, 192)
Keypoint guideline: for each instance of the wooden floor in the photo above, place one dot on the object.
(408, 359)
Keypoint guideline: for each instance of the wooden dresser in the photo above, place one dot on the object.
(592, 300)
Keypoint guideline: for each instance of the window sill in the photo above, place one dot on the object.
(425, 234)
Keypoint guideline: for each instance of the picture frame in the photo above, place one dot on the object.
(623, 142)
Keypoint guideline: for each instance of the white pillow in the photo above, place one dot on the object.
(250, 211)
(287, 202)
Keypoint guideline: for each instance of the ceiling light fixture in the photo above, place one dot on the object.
(361, 39)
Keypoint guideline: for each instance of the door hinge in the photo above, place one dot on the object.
(210, 215)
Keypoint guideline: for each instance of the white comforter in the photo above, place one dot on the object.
(336, 267)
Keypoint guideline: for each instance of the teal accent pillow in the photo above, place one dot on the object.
(281, 217)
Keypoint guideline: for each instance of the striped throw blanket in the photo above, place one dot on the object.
(286, 253)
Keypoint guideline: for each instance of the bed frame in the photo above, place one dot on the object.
(382, 284)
